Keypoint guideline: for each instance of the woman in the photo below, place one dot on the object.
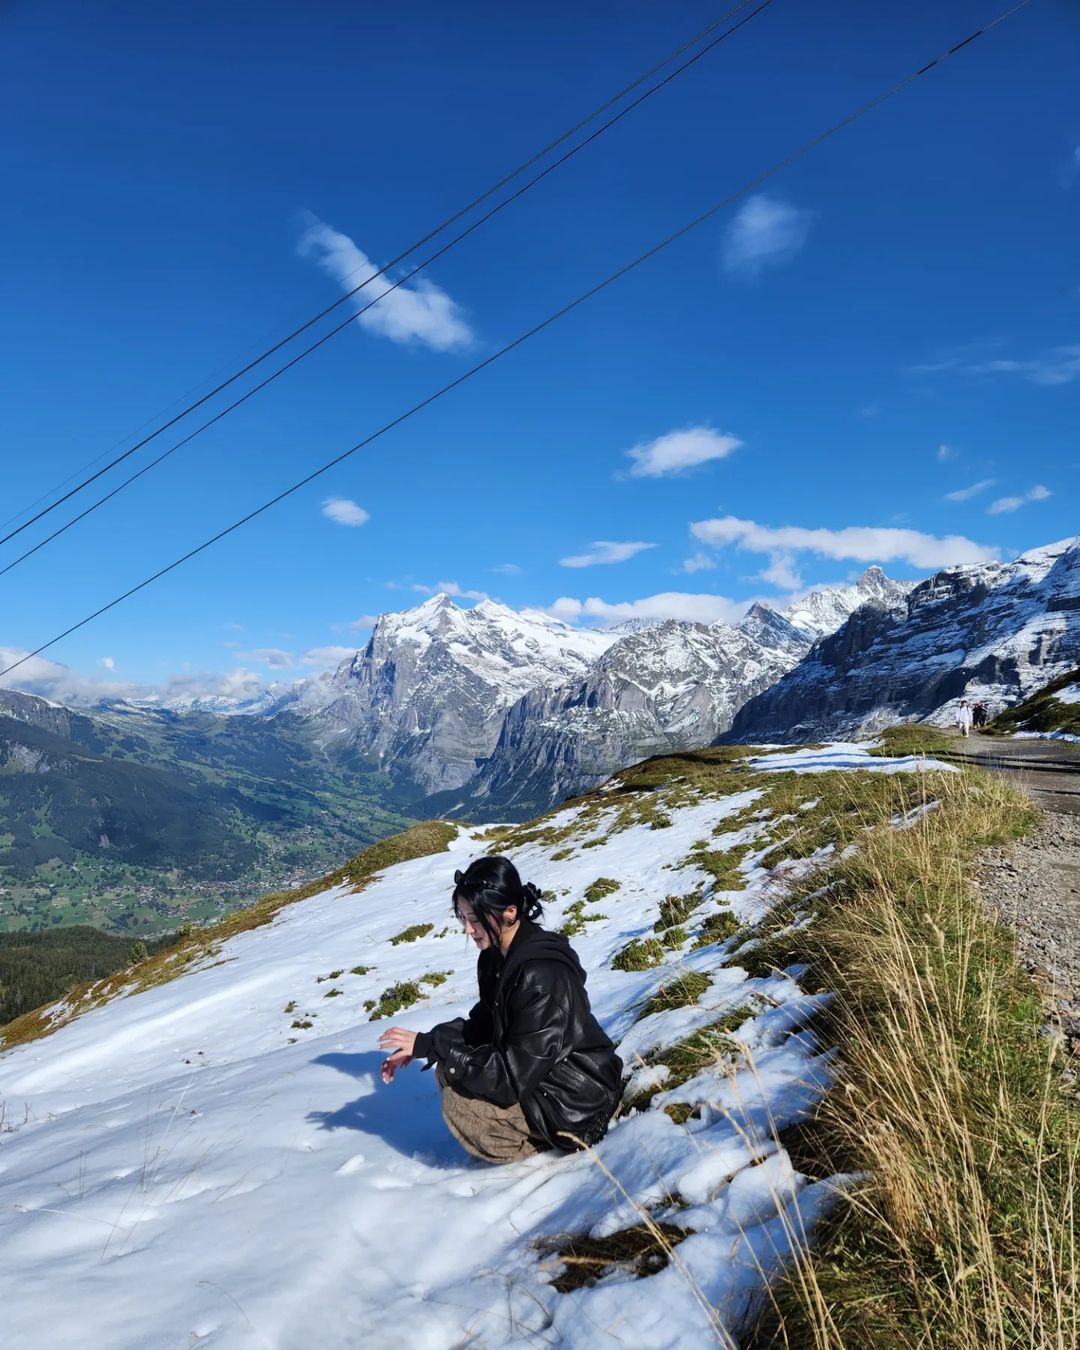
(529, 1069)
(963, 717)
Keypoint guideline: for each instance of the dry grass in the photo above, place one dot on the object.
(200, 944)
(641, 1250)
(963, 1235)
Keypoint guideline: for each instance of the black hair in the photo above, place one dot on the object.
(491, 885)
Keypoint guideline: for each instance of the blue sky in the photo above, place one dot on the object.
(874, 358)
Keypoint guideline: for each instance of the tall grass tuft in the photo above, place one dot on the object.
(962, 1232)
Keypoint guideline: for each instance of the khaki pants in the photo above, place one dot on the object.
(498, 1134)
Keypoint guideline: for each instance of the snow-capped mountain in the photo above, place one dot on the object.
(660, 688)
(426, 697)
(989, 631)
(823, 611)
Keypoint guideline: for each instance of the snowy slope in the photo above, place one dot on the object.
(990, 631)
(188, 1166)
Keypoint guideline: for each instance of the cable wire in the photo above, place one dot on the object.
(450, 220)
(670, 239)
(340, 327)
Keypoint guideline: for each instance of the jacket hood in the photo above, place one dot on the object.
(533, 943)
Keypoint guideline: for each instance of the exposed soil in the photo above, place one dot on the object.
(1048, 770)
(1034, 886)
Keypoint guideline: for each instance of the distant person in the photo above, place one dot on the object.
(979, 715)
(964, 717)
(530, 1068)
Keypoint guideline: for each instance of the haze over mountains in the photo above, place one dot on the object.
(484, 712)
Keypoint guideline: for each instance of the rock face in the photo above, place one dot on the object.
(993, 632)
(822, 612)
(425, 699)
(661, 689)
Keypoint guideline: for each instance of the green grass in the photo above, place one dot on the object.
(1042, 711)
(716, 928)
(601, 887)
(394, 999)
(682, 989)
(412, 934)
(676, 909)
(913, 738)
(694, 1054)
(639, 954)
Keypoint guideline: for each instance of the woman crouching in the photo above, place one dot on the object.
(529, 1069)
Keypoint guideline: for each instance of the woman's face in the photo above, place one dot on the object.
(472, 924)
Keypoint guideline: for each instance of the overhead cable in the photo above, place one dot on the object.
(665, 243)
(340, 327)
(450, 220)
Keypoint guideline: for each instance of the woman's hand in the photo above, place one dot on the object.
(401, 1044)
(398, 1060)
(397, 1038)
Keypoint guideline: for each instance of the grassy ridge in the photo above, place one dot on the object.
(1043, 711)
(963, 1233)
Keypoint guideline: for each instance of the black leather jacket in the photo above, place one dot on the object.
(532, 1039)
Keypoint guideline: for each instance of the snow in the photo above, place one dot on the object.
(1046, 736)
(1069, 694)
(191, 1168)
(845, 755)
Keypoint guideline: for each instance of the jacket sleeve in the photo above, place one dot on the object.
(474, 1030)
(538, 1029)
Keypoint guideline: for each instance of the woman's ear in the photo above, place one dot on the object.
(510, 916)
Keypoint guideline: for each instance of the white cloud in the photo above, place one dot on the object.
(109, 662)
(966, 494)
(417, 312)
(945, 452)
(765, 233)
(677, 451)
(344, 512)
(51, 680)
(1055, 366)
(451, 588)
(1005, 504)
(327, 657)
(668, 605)
(700, 562)
(605, 551)
(861, 543)
(363, 623)
(507, 569)
(276, 658)
(781, 573)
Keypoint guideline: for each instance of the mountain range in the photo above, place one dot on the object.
(993, 632)
(482, 712)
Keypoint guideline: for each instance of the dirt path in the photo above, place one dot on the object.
(1034, 884)
(1048, 770)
